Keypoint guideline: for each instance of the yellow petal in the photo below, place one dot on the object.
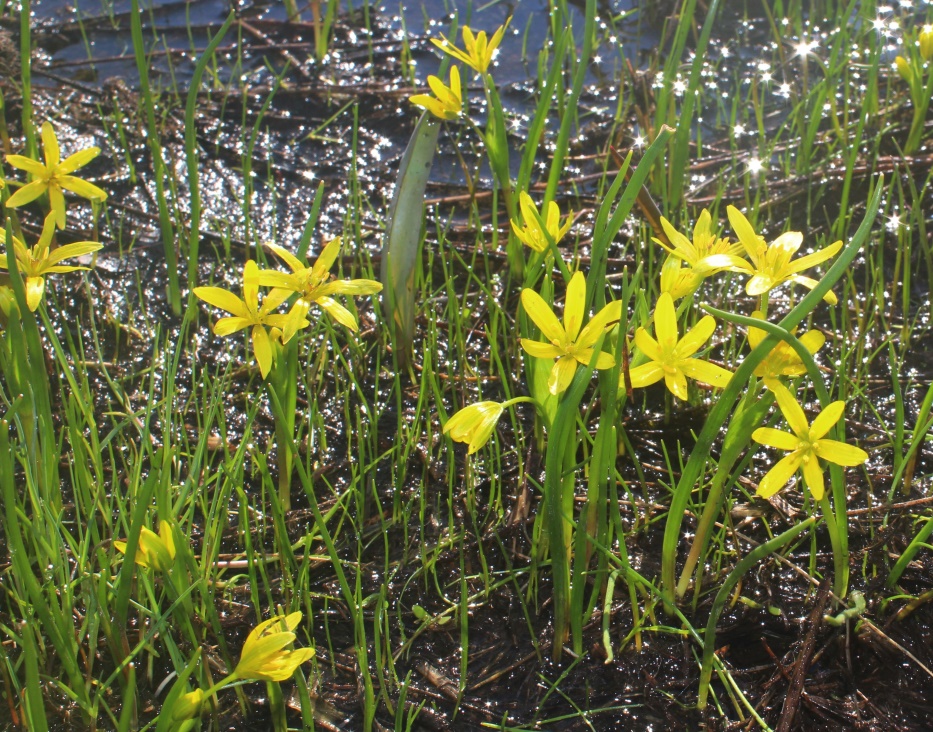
(599, 323)
(541, 350)
(777, 477)
(826, 419)
(676, 383)
(50, 145)
(776, 438)
(542, 316)
(262, 349)
(35, 287)
(792, 412)
(223, 299)
(561, 375)
(813, 476)
(286, 256)
(841, 453)
(695, 337)
(575, 305)
(644, 375)
(706, 372)
(665, 322)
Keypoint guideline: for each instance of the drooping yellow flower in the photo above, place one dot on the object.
(474, 424)
(248, 312)
(926, 44)
(153, 550)
(188, 706)
(314, 286)
(782, 360)
(265, 657)
(447, 102)
(570, 344)
(671, 357)
(807, 446)
(532, 233)
(55, 176)
(36, 262)
(904, 69)
(771, 264)
(708, 253)
(478, 52)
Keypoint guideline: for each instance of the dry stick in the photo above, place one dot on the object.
(294, 62)
(794, 691)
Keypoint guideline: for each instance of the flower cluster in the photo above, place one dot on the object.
(313, 286)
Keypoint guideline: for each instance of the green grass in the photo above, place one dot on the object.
(562, 541)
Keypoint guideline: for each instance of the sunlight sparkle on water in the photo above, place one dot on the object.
(805, 48)
(755, 166)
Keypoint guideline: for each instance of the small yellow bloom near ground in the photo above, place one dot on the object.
(447, 102)
(807, 445)
(478, 51)
(782, 359)
(771, 264)
(570, 344)
(188, 706)
(265, 657)
(671, 356)
(474, 424)
(153, 550)
(55, 176)
(36, 262)
(314, 286)
(536, 229)
(248, 312)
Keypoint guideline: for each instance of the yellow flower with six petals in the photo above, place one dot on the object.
(248, 312)
(708, 253)
(782, 359)
(478, 52)
(314, 286)
(36, 262)
(264, 656)
(671, 357)
(447, 102)
(535, 232)
(807, 446)
(55, 176)
(571, 343)
(771, 264)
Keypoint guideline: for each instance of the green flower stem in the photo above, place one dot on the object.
(721, 411)
(750, 560)
(747, 418)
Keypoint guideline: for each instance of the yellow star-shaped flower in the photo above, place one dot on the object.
(153, 550)
(55, 176)
(771, 264)
(807, 446)
(314, 286)
(41, 260)
(447, 102)
(571, 343)
(248, 312)
(478, 51)
(536, 231)
(707, 254)
(671, 356)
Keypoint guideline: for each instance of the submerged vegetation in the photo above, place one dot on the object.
(616, 414)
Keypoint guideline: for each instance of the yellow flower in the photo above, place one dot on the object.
(55, 176)
(806, 446)
(707, 254)
(568, 343)
(265, 657)
(314, 286)
(248, 312)
(671, 357)
(474, 424)
(535, 232)
(926, 43)
(153, 550)
(904, 68)
(447, 103)
(782, 360)
(41, 260)
(771, 263)
(188, 706)
(677, 280)
(478, 52)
